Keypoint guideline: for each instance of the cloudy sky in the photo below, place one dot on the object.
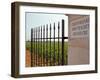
(34, 20)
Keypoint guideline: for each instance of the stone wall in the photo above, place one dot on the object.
(78, 42)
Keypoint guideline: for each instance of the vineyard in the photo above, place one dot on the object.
(46, 51)
(46, 46)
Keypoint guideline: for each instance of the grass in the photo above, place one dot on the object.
(45, 49)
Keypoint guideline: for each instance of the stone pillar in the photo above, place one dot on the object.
(78, 42)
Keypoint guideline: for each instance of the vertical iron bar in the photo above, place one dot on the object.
(50, 47)
(62, 42)
(41, 48)
(39, 45)
(47, 45)
(31, 47)
(36, 46)
(58, 43)
(54, 47)
(43, 45)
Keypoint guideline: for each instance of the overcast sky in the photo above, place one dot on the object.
(33, 20)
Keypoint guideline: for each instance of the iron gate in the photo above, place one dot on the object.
(47, 50)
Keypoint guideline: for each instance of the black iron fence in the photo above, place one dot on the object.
(48, 50)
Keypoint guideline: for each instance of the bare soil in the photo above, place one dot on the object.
(37, 60)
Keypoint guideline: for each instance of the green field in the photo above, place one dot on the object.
(45, 50)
